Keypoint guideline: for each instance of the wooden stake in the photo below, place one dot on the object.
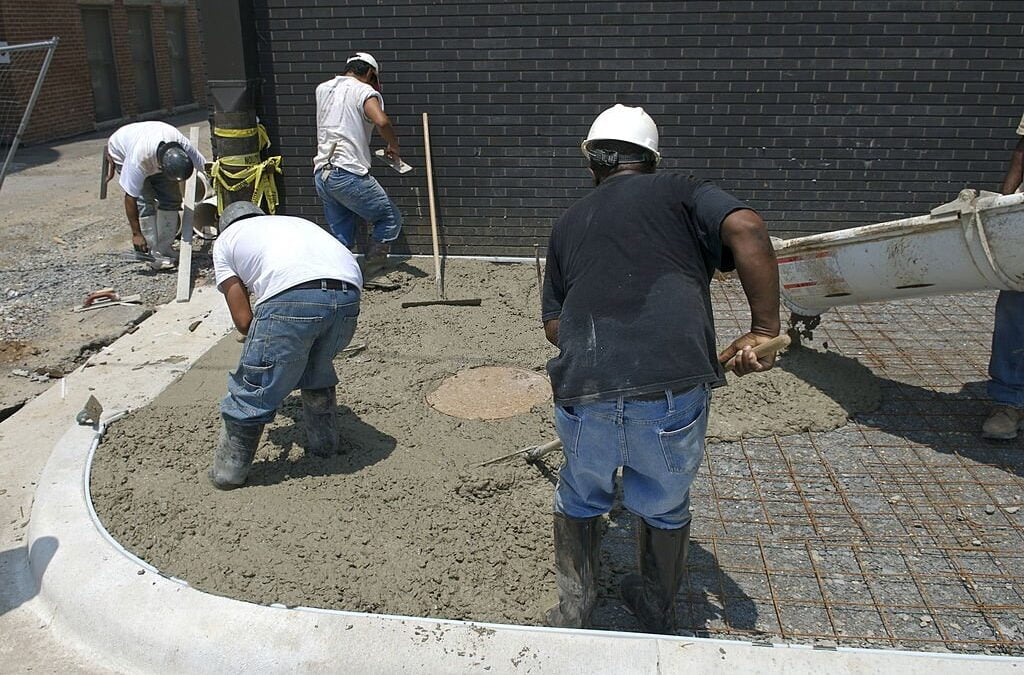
(184, 290)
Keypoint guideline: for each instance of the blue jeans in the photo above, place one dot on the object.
(159, 192)
(659, 444)
(349, 199)
(292, 342)
(1006, 365)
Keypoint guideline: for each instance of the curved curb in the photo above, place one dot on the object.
(105, 602)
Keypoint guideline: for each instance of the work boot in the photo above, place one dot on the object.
(320, 417)
(233, 456)
(577, 550)
(375, 260)
(1002, 423)
(166, 232)
(651, 595)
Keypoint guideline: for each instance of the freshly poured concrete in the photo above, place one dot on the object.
(95, 602)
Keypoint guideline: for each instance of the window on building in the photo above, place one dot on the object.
(177, 48)
(99, 52)
(140, 37)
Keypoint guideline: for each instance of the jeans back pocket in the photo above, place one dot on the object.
(683, 446)
(568, 427)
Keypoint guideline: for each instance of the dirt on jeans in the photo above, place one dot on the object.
(402, 521)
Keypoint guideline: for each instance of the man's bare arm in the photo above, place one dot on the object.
(237, 297)
(375, 113)
(131, 211)
(551, 331)
(1015, 172)
(746, 236)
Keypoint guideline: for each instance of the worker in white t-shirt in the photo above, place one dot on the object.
(305, 288)
(153, 158)
(348, 107)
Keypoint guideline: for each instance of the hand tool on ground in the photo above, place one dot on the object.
(776, 344)
(106, 297)
(90, 413)
(533, 453)
(380, 286)
(438, 275)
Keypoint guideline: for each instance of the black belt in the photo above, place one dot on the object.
(323, 284)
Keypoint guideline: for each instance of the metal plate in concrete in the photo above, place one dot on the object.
(490, 393)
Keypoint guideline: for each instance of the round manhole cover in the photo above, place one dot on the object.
(489, 393)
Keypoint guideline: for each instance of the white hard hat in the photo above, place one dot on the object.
(363, 56)
(623, 123)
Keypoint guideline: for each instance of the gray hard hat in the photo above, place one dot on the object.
(236, 211)
(174, 161)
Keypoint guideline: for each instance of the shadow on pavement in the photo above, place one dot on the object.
(21, 583)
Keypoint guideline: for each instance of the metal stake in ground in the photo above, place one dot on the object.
(438, 276)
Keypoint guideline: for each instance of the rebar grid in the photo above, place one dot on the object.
(902, 529)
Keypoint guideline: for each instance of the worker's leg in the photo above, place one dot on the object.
(319, 398)
(168, 199)
(273, 361)
(1006, 368)
(590, 436)
(341, 220)
(147, 213)
(665, 445)
(364, 196)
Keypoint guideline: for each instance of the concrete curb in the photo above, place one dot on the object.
(119, 612)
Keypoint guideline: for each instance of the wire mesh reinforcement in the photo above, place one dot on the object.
(902, 529)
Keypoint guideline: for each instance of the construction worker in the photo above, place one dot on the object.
(347, 108)
(153, 159)
(627, 302)
(305, 289)
(1006, 364)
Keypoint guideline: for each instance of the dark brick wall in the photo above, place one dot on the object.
(65, 106)
(822, 115)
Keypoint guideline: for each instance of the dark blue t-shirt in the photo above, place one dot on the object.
(628, 274)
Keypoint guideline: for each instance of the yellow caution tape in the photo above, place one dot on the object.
(259, 174)
(258, 130)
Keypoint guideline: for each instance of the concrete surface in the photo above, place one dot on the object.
(77, 603)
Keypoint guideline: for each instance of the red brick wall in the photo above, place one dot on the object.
(65, 105)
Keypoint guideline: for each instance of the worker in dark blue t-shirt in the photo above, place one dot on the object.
(627, 302)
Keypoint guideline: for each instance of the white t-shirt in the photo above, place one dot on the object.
(133, 149)
(270, 254)
(342, 128)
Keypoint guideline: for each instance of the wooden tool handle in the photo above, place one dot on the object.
(438, 281)
(776, 344)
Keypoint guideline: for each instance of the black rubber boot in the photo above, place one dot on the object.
(235, 449)
(577, 549)
(651, 595)
(375, 260)
(320, 417)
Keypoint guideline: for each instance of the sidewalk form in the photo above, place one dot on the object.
(73, 600)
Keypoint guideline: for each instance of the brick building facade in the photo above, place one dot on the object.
(103, 74)
(822, 115)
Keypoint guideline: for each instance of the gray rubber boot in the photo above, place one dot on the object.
(376, 259)
(147, 224)
(233, 457)
(166, 232)
(577, 552)
(651, 595)
(320, 417)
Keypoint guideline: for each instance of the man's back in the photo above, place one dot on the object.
(628, 273)
(342, 128)
(270, 254)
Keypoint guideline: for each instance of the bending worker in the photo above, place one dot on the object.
(1006, 364)
(153, 159)
(305, 290)
(347, 108)
(627, 301)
